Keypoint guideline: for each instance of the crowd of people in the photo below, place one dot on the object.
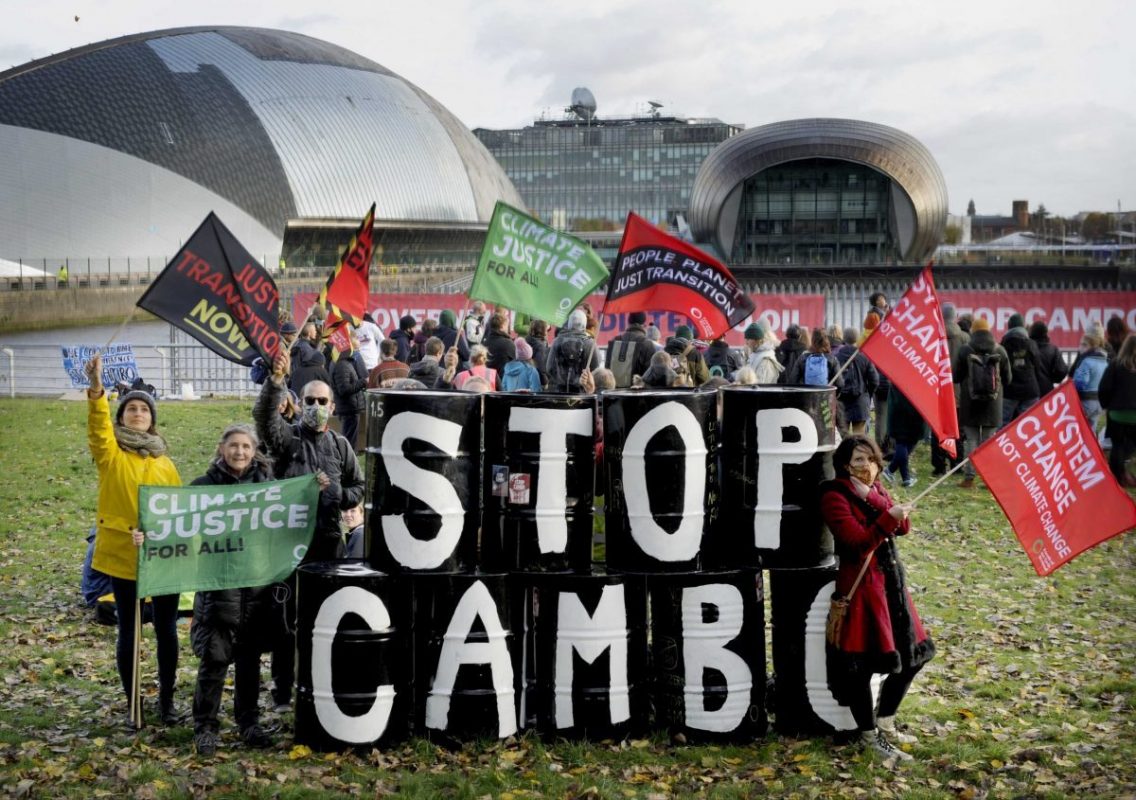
(308, 384)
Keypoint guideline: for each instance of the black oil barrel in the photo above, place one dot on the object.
(423, 480)
(708, 654)
(581, 663)
(463, 656)
(661, 478)
(803, 702)
(353, 682)
(539, 478)
(777, 443)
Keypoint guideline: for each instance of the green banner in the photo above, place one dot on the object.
(530, 267)
(200, 538)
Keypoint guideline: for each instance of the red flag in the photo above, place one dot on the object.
(346, 290)
(910, 347)
(654, 270)
(1047, 472)
(335, 331)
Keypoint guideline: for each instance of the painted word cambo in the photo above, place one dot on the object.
(431, 635)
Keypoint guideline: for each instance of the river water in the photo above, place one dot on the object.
(140, 334)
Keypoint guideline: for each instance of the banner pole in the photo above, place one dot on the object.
(844, 366)
(136, 682)
(115, 335)
(927, 491)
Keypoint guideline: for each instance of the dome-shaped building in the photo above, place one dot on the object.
(121, 148)
(820, 191)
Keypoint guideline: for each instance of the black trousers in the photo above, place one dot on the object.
(220, 649)
(892, 692)
(165, 630)
(1123, 436)
(940, 461)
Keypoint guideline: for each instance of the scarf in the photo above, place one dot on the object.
(140, 442)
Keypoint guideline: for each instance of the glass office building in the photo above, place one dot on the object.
(820, 191)
(586, 174)
(817, 211)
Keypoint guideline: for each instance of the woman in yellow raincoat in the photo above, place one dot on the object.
(129, 452)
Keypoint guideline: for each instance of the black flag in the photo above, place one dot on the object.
(220, 295)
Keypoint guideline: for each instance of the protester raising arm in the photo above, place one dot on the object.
(129, 452)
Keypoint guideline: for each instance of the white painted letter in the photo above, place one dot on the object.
(773, 453)
(589, 636)
(429, 487)
(684, 543)
(704, 645)
(355, 729)
(553, 425)
(456, 650)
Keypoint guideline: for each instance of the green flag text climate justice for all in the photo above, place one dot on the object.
(200, 538)
(530, 267)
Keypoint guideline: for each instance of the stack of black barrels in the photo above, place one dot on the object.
(481, 610)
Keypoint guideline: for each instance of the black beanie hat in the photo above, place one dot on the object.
(137, 394)
(637, 318)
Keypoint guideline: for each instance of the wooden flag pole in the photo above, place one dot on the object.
(844, 366)
(118, 331)
(927, 491)
(136, 682)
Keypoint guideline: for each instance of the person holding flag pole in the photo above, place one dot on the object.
(910, 347)
(129, 452)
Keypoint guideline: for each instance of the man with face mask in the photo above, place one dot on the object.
(307, 447)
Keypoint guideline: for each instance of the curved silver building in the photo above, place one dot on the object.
(820, 191)
(121, 148)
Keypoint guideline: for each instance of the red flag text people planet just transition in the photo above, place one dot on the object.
(657, 271)
(220, 295)
(910, 346)
(1047, 472)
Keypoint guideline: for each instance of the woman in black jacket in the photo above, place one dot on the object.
(1118, 396)
(231, 626)
(1051, 366)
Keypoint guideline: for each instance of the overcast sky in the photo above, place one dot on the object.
(1029, 101)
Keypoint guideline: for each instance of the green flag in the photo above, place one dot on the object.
(200, 538)
(530, 267)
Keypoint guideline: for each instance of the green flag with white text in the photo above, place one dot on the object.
(530, 267)
(201, 538)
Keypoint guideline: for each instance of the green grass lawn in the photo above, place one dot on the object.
(1031, 695)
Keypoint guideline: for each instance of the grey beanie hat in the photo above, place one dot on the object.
(137, 394)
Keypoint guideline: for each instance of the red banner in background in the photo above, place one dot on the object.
(1067, 314)
(1047, 472)
(776, 311)
(910, 347)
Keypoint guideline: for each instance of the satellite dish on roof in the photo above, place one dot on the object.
(655, 106)
(583, 103)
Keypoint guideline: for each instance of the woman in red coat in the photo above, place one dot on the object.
(882, 632)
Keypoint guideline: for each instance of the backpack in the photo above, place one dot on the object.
(816, 370)
(572, 357)
(982, 376)
(853, 382)
(1085, 377)
(718, 371)
(621, 358)
(259, 371)
(474, 328)
(1017, 348)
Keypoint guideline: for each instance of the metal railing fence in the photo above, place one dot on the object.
(36, 370)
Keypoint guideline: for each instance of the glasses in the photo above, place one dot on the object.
(311, 401)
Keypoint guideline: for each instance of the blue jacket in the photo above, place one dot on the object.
(520, 375)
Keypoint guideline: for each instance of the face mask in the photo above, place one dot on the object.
(316, 416)
(866, 474)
